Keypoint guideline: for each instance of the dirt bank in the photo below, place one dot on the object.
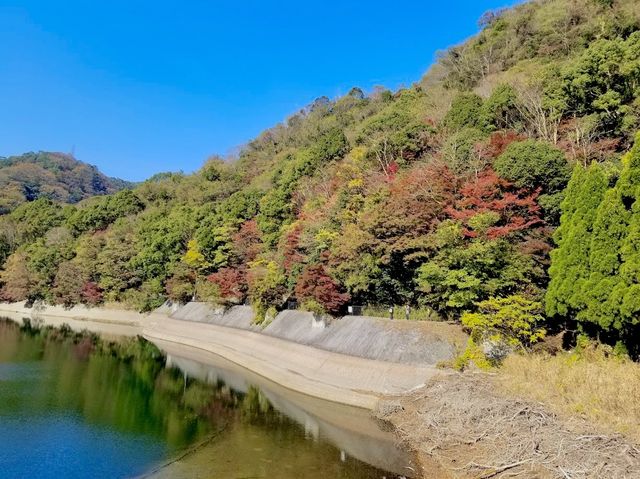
(471, 430)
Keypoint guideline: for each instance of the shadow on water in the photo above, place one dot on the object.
(72, 405)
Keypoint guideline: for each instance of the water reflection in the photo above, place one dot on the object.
(73, 406)
(352, 430)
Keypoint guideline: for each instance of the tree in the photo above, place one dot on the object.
(232, 284)
(595, 271)
(570, 260)
(17, 280)
(499, 111)
(514, 320)
(213, 241)
(69, 284)
(537, 166)
(181, 286)
(493, 207)
(161, 238)
(534, 164)
(462, 272)
(460, 154)
(113, 261)
(465, 111)
(315, 284)
(91, 293)
(246, 242)
(266, 286)
(614, 257)
(35, 218)
(103, 211)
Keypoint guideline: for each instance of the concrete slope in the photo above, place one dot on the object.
(109, 322)
(414, 342)
(324, 374)
(409, 342)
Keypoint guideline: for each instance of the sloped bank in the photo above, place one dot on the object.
(112, 320)
(407, 342)
(353, 360)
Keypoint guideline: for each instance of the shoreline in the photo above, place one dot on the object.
(454, 424)
(328, 375)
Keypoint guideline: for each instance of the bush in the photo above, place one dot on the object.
(514, 321)
(534, 164)
(464, 112)
(313, 306)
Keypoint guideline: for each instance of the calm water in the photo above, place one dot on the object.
(71, 409)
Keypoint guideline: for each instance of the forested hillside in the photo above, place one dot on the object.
(56, 176)
(449, 196)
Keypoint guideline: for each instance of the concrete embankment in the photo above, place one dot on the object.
(352, 430)
(332, 376)
(407, 342)
(108, 321)
(353, 360)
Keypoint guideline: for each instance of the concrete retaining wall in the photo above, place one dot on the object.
(409, 342)
(108, 321)
(327, 375)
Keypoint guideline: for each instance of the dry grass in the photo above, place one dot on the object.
(602, 389)
(469, 429)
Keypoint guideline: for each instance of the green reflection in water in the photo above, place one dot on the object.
(126, 388)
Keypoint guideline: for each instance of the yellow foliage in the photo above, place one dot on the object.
(193, 257)
(355, 183)
(325, 238)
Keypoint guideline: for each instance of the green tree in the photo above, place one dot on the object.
(611, 301)
(465, 112)
(500, 111)
(266, 287)
(534, 164)
(537, 165)
(570, 260)
(462, 272)
(515, 320)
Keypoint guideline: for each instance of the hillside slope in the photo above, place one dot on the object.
(443, 196)
(56, 176)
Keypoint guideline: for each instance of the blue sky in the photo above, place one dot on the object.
(142, 87)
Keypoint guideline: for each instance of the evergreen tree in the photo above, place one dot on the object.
(596, 272)
(570, 260)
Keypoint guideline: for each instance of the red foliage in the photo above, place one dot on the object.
(416, 199)
(517, 208)
(292, 252)
(91, 293)
(315, 283)
(246, 242)
(498, 142)
(392, 171)
(232, 284)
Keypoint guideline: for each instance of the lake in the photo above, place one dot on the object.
(73, 406)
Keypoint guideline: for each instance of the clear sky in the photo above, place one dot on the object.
(141, 87)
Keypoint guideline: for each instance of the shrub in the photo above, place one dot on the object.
(534, 164)
(514, 321)
(464, 112)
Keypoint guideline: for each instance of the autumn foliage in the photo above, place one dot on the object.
(316, 284)
(231, 283)
(508, 209)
